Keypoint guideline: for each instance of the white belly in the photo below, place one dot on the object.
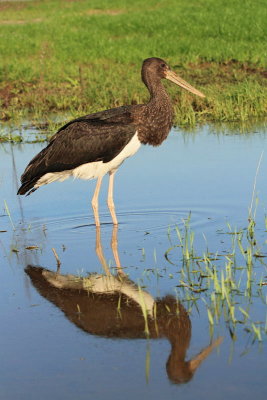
(93, 170)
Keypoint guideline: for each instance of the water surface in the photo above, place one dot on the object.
(46, 352)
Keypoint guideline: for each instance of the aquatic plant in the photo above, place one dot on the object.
(229, 283)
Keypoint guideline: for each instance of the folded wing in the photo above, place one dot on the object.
(94, 137)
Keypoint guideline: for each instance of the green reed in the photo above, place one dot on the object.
(227, 283)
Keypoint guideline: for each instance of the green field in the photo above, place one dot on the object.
(82, 56)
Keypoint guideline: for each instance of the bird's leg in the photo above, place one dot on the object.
(110, 201)
(95, 201)
(99, 251)
(114, 246)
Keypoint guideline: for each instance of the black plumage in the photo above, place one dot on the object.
(103, 136)
(84, 140)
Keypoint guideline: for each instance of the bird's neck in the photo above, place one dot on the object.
(160, 100)
(157, 113)
(156, 90)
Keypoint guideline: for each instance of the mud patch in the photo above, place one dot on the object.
(11, 5)
(6, 94)
(20, 21)
(229, 68)
(103, 12)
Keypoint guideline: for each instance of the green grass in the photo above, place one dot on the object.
(83, 56)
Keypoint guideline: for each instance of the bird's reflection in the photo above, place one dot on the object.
(113, 306)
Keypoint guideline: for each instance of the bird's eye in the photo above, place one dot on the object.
(163, 65)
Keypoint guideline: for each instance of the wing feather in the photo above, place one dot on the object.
(95, 137)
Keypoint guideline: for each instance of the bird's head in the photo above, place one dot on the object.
(159, 69)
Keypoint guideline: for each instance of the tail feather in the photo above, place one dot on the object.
(27, 187)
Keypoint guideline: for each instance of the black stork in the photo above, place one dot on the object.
(96, 144)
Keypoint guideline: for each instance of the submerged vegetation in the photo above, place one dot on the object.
(80, 57)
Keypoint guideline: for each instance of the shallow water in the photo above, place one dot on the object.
(48, 350)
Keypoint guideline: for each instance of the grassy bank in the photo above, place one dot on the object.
(83, 56)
